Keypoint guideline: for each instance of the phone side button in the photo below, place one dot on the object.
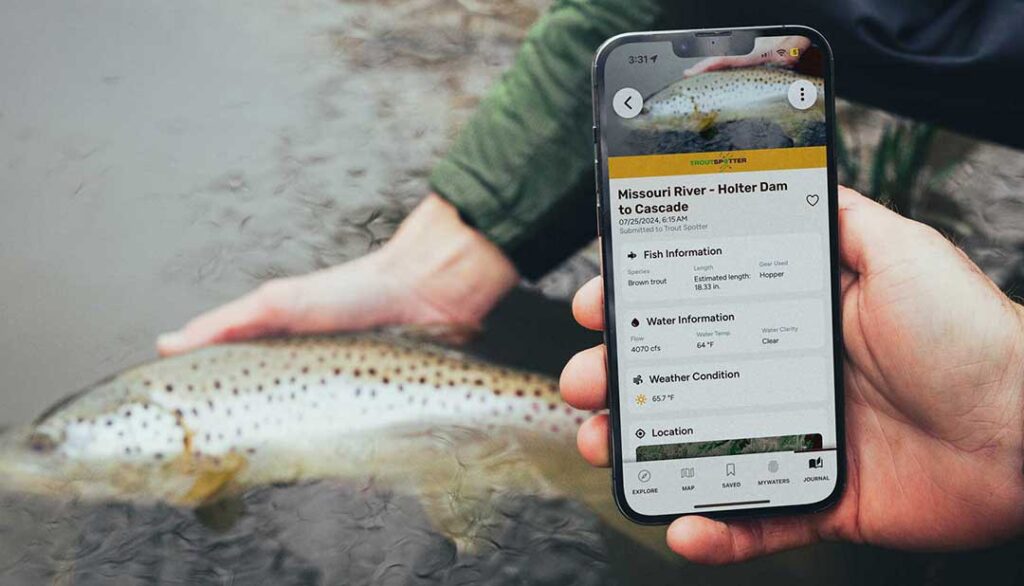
(599, 220)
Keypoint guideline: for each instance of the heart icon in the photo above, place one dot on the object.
(812, 199)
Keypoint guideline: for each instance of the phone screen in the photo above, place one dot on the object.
(720, 262)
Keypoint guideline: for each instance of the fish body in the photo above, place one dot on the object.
(696, 103)
(459, 433)
(184, 429)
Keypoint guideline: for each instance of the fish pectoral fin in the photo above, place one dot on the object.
(221, 514)
(704, 121)
(211, 477)
(446, 334)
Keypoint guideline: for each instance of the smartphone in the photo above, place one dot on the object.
(717, 212)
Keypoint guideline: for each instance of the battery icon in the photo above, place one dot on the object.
(794, 52)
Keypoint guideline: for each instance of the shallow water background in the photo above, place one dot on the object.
(158, 158)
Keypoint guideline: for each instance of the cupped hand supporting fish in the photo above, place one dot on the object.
(436, 270)
(934, 373)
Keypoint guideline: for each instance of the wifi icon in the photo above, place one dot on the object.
(781, 52)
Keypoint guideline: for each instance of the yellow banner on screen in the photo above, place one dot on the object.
(721, 162)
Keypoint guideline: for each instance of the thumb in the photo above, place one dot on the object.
(870, 234)
(707, 541)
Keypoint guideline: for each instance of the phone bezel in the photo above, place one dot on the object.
(607, 271)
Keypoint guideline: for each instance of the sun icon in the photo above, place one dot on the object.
(641, 399)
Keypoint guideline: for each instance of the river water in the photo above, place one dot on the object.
(159, 158)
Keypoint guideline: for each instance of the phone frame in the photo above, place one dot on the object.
(607, 270)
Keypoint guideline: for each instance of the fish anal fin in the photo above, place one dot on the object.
(570, 475)
(474, 475)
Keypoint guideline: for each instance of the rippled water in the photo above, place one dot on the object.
(157, 158)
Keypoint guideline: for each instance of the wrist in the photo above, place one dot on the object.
(445, 270)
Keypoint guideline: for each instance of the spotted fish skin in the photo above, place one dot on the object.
(697, 102)
(277, 406)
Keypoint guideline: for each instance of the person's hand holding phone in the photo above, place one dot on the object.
(934, 373)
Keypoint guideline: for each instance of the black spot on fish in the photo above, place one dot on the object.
(216, 384)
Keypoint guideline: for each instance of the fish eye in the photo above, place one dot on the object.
(42, 443)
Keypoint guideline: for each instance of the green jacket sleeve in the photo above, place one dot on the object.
(521, 170)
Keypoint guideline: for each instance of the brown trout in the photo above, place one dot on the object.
(191, 429)
(696, 103)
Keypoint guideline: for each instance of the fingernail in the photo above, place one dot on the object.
(169, 340)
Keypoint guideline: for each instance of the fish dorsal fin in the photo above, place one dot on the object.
(444, 334)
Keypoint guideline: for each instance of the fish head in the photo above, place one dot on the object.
(105, 441)
(107, 421)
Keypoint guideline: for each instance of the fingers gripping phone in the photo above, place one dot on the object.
(717, 210)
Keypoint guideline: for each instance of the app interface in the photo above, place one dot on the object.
(718, 197)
